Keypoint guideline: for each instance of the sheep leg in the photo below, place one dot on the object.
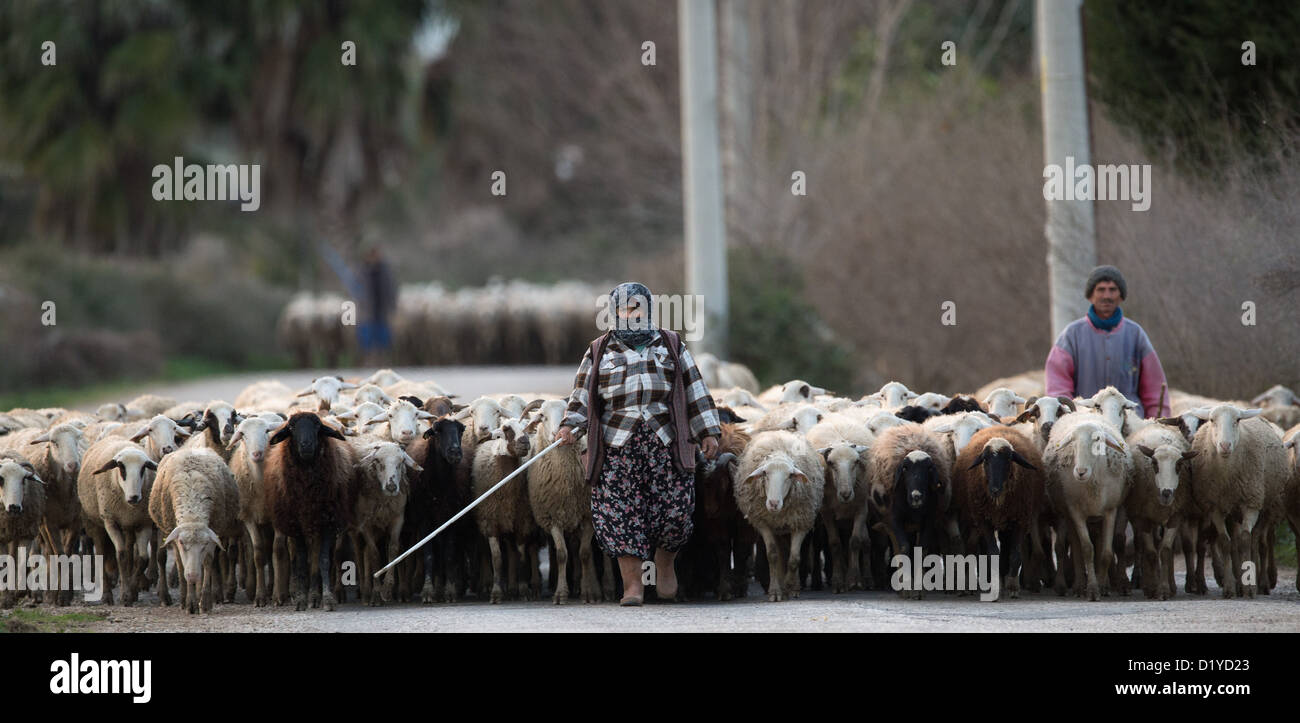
(1267, 547)
(164, 595)
(534, 570)
(498, 590)
(1148, 561)
(280, 569)
(301, 572)
(367, 552)
(836, 549)
(249, 556)
(1107, 561)
(336, 569)
(1044, 545)
(561, 566)
(100, 538)
(324, 553)
(1194, 582)
(452, 562)
(394, 549)
(513, 586)
(209, 582)
(608, 581)
(1011, 538)
(859, 549)
(1062, 551)
(1220, 551)
(1244, 537)
(589, 586)
(792, 565)
(1165, 589)
(1085, 553)
(124, 569)
(775, 571)
(257, 549)
(1294, 522)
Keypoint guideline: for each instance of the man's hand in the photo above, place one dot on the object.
(565, 434)
(709, 447)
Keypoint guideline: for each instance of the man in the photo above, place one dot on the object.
(639, 399)
(1105, 349)
(379, 302)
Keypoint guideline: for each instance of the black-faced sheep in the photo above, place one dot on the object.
(195, 504)
(911, 484)
(721, 533)
(999, 487)
(310, 477)
(779, 490)
(434, 498)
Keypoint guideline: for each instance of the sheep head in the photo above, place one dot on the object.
(844, 465)
(996, 457)
(916, 480)
(307, 434)
(65, 446)
(14, 474)
(778, 475)
(1221, 425)
(445, 435)
(196, 543)
(130, 463)
(1166, 460)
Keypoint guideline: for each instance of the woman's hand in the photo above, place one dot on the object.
(565, 434)
(709, 447)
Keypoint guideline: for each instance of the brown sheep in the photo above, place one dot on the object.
(1160, 495)
(506, 512)
(999, 487)
(310, 482)
(720, 530)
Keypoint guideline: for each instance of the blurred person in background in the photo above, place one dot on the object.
(378, 302)
(1106, 349)
(639, 398)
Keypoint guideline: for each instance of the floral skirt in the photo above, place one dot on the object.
(640, 501)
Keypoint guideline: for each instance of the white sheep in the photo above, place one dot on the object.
(1112, 405)
(383, 485)
(249, 446)
(932, 401)
(1040, 415)
(795, 390)
(792, 416)
(1238, 477)
(327, 390)
(22, 505)
(844, 445)
(113, 487)
(1088, 475)
(1161, 492)
(195, 504)
(56, 456)
(1003, 402)
(779, 489)
(894, 395)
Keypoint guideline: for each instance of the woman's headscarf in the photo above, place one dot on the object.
(633, 332)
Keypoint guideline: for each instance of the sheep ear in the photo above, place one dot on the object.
(410, 462)
(979, 459)
(944, 428)
(799, 475)
(1201, 413)
(1285, 445)
(150, 464)
(825, 453)
(1250, 413)
(1259, 398)
(497, 434)
(1028, 414)
(281, 435)
(805, 391)
(1018, 399)
(1030, 401)
(536, 403)
(306, 392)
(171, 536)
(181, 432)
(43, 438)
(1086, 403)
(36, 478)
(1193, 453)
(461, 413)
(1171, 421)
(1130, 404)
(111, 465)
(860, 448)
(235, 439)
(381, 417)
(911, 395)
(329, 431)
(424, 415)
(1067, 402)
(1146, 450)
(532, 425)
(140, 434)
(760, 472)
(1020, 460)
(1117, 447)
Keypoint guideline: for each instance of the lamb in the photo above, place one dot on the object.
(999, 487)
(403, 420)
(506, 512)
(434, 498)
(1002, 402)
(1237, 479)
(794, 417)
(1161, 489)
(1088, 475)
(160, 437)
(383, 486)
(215, 429)
(780, 491)
(560, 501)
(1112, 405)
(326, 389)
(1040, 415)
(844, 446)
(249, 446)
(795, 390)
(195, 504)
(113, 487)
(310, 481)
(894, 395)
(22, 499)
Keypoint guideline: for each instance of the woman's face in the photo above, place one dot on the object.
(632, 314)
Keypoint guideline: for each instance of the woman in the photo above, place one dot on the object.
(641, 410)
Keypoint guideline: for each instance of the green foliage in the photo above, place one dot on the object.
(1174, 73)
(37, 620)
(1285, 547)
(774, 331)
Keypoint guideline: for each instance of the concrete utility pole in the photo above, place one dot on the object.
(706, 247)
(1071, 231)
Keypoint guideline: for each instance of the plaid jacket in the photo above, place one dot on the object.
(636, 386)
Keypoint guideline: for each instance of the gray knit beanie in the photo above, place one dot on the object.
(1106, 273)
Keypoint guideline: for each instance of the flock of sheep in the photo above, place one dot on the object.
(297, 495)
(503, 322)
